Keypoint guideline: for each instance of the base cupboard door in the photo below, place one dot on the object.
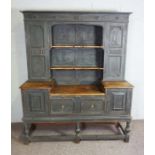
(35, 102)
(119, 101)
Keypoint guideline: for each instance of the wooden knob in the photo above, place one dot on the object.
(92, 106)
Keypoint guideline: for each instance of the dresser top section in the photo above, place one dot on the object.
(76, 16)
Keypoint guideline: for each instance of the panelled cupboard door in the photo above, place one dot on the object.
(35, 102)
(37, 51)
(119, 101)
(115, 51)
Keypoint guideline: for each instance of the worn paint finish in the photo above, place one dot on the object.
(107, 30)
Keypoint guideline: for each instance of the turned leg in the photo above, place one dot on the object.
(77, 131)
(127, 130)
(26, 133)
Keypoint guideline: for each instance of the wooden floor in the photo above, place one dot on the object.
(76, 90)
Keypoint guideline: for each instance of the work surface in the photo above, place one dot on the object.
(134, 147)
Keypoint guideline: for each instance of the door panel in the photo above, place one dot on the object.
(37, 51)
(115, 50)
(38, 66)
(37, 36)
(119, 101)
(35, 102)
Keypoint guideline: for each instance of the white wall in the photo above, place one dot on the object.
(134, 61)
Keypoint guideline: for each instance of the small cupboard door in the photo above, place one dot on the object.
(35, 102)
(119, 101)
(37, 51)
(115, 51)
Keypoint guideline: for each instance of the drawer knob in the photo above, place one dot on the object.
(92, 106)
(62, 106)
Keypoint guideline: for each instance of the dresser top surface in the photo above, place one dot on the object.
(36, 85)
(85, 12)
(76, 90)
(117, 84)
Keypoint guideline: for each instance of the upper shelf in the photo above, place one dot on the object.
(75, 46)
(75, 68)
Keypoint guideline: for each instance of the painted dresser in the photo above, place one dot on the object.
(76, 67)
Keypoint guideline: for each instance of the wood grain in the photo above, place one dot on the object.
(76, 90)
(37, 85)
(74, 46)
(116, 84)
(75, 68)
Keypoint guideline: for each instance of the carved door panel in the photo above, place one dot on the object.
(119, 101)
(35, 102)
(37, 52)
(115, 50)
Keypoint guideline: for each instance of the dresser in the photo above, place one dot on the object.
(76, 67)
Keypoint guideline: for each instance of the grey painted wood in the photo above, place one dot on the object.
(77, 57)
(81, 105)
(44, 29)
(77, 16)
(119, 101)
(35, 102)
(62, 105)
(37, 51)
(93, 106)
(115, 51)
(80, 118)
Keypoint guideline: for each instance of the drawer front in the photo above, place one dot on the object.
(77, 105)
(93, 106)
(62, 105)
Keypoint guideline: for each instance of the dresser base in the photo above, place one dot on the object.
(121, 134)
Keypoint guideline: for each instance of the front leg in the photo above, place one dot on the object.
(127, 130)
(26, 133)
(77, 131)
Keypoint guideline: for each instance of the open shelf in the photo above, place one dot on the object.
(75, 68)
(76, 90)
(75, 46)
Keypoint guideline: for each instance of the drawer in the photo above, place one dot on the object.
(62, 105)
(89, 106)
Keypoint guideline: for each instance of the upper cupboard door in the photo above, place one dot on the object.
(35, 34)
(37, 52)
(115, 50)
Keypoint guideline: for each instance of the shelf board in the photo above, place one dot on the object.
(75, 68)
(75, 46)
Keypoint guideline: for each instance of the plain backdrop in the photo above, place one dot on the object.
(134, 60)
